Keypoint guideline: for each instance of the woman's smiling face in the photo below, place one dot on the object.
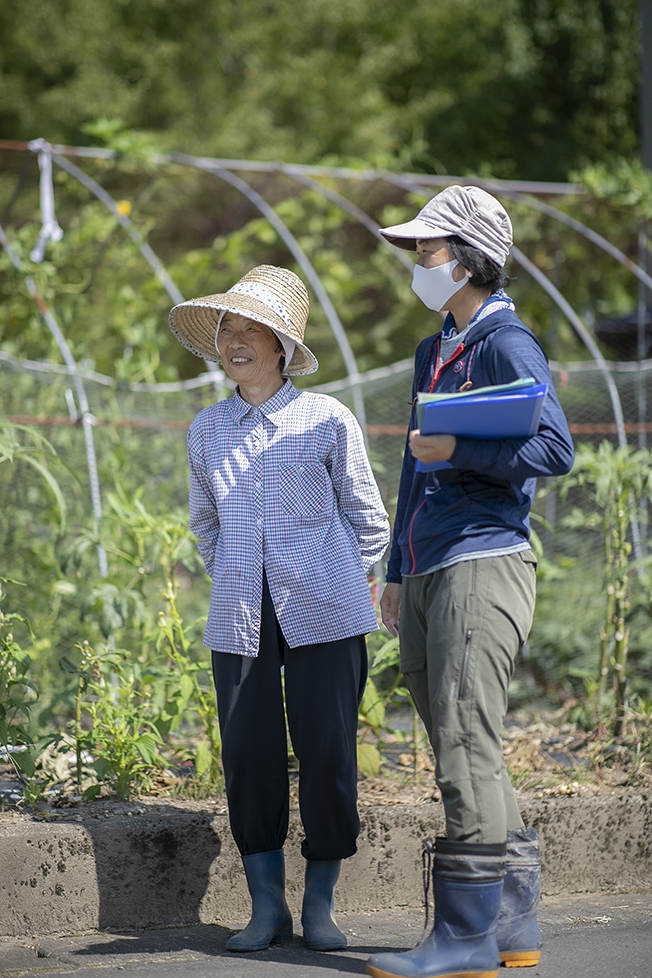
(250, 352)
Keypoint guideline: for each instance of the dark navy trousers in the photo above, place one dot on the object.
(324, 684)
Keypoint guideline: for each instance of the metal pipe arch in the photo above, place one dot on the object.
(145, 249)
(87, 418)
(300, 173)
(351, 208)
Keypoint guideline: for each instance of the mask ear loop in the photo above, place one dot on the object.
(467, 273)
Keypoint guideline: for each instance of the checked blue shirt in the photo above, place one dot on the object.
(286, 486)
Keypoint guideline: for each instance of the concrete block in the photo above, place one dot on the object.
(178, 868)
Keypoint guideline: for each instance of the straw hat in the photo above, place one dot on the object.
(275, 297)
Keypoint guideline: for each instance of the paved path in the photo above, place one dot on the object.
(585, 937)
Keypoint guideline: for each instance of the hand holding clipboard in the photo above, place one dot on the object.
(489, 413)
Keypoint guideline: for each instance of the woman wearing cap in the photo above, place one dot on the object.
(289, 521)
(461, 588)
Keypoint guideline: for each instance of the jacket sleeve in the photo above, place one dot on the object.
(511, 354)
(204, 520)
(356, 490)
(394, 575)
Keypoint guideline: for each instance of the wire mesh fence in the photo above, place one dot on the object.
(140, 436)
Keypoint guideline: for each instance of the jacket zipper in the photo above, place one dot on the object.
(465, 663)
(438, 370)
(412, 554)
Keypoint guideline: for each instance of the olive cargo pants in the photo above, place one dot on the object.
(460, 631)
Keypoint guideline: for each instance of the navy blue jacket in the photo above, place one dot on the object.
(483, 502)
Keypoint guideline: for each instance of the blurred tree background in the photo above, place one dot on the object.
(522, 88)
(527, 89)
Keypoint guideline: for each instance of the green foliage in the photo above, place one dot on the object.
(17, 695)
(16, 687)
(618, 479)
(372, 712)
(625, 183)
(12, 449)
(638, 734)
(177, 679)
(124, 740)
(521, 88)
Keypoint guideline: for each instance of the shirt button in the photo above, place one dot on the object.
(258, 483)
(259, 521)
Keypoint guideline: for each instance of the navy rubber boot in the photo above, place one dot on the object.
(467, 884)
(271, 920)
(519, 937)
(320, 931)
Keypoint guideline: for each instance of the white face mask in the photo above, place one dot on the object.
(435, 286)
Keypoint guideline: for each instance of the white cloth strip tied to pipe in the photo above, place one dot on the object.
(50, 230)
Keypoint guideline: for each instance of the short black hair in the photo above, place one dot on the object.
(485, 273)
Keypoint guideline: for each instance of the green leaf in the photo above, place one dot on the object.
(146, 747)
(372, 710)
(203, 756)
(101, 766)
(67, 666)
(26, 762)
(386, 656)
(186, 687)
(52, 483)
(369, 760)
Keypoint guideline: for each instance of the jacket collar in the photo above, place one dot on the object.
(497, 302)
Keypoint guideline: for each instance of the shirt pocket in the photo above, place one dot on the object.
(305, 492)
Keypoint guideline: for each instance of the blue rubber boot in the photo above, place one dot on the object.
(467, 884)
(320, 931)
(519, 937)
(271, 920)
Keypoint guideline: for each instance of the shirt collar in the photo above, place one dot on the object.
(241, 408)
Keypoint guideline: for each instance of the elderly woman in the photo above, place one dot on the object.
(461, 587)
(289, 521)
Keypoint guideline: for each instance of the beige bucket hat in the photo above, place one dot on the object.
(469, 212)
(275, 297)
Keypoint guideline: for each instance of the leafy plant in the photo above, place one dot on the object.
(167, 539)
(124, 740)
(190, 692)
(87, 671)
(12, 449)
(372, 711)
(177, 676)
(618, 479)
(16, 688)
(17, 693)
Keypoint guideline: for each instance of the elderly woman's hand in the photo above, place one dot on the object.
(432, 448)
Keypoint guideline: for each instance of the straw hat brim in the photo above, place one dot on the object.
(195, 322)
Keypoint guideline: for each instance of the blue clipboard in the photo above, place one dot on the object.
(510, 411)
